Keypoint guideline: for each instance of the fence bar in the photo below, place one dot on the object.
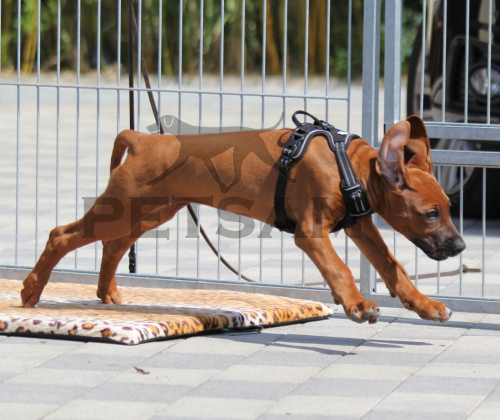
(327, 70)
(445, 29)
(221, 97)
(466, 75)
(200, 117)
(461, 222)
(488, 98)
(285, 56)
(98, 116)
(139, 78)
(160, 26)
(77, 145)
(422, 59)
(242, 76)
(483, 228)
(18, 63)
(440, 168)
(306, 76)
(264, 52)
(349, 43)
(172, 90)
(58, 71)
(179, 112)
(416, 267)
(37, 194)
(392, 67)
(371, 72)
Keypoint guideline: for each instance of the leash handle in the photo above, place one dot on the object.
(299, 124)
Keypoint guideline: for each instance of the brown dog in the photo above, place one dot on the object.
(399, 182)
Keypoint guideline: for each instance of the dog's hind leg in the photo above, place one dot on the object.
(112, 253)
(62, 240)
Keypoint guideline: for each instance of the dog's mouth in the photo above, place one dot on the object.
(439, 253)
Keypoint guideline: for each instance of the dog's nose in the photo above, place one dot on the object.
(457, 244)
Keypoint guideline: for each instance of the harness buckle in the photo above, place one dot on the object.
(285, 162)
(324, 124)
(356, 196)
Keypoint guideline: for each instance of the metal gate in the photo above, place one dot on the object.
(58, 130)
(474, 292)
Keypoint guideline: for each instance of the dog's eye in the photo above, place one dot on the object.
(432, 214)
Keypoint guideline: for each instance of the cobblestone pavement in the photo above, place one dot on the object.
(402, 367)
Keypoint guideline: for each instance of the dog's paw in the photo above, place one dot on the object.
(362, 312)
(430, 310)
(32, 290)
(112, 296)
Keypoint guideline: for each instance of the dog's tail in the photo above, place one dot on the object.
(122, 142)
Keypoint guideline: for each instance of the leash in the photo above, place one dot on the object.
(134, 36)
(465, 269)
(354, 194)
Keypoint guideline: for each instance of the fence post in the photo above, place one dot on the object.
(392, 62)
(371, 76)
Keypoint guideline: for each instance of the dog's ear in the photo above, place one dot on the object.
(418, 146)
(391, 158)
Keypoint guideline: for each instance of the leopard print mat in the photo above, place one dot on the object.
(67, 309)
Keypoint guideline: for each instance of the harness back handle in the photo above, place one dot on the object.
(299, 124)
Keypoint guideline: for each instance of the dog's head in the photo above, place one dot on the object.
(415, 204)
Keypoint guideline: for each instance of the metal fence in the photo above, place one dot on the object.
(59, 129)
(464, 130)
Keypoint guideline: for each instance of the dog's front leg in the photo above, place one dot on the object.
(367, 238)
(338, 276)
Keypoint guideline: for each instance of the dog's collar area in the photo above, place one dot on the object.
(352, 190)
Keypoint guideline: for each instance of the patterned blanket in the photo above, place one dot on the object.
(146, 314)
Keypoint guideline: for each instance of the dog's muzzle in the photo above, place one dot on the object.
(449, 248)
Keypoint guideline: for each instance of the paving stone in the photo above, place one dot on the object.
(213, 345)
(383, 358)
(244, 390)
(405, 346)
(308, 358)
(323, 406)
(413, 415)
(429, 403)
(143, 350)
(464, 370)
(43, 376)
(38, 341)
(6, 375)
(339, 387)
(449, 385)
(46, 394)
(192, 361)
(450, 356)
(106, 410)
(92, 362)
(25, 410)
(134, 392)
(266, 373)
(303, 417)
(469, 343)
(183, 377)
(367, 372)
(217, 408)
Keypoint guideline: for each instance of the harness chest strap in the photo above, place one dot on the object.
(354, 194)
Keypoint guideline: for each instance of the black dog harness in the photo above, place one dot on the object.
(354, 194)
